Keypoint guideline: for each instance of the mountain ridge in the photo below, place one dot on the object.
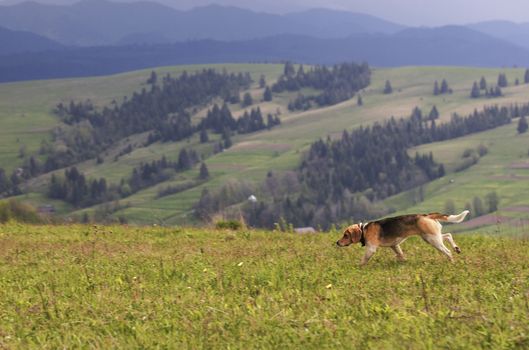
(446, 46)
(102, 22)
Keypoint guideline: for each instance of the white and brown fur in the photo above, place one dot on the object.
(391, 232)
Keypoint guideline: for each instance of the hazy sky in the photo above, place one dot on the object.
(411, 12)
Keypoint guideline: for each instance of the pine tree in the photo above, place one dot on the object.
(436, 88)
(434, 113)
(204, 136)
(359, 100)
(441, 171)
(227, 139)
(153, 78)
(247, 100)
(289, 69)
(444, 87)
(475, 91)
(184, 162)
(262, 81)
(483, 84)
(493, 201)
(522, 125)
(387, 88)
(477, 204)
(526, 76)
(497, 92)
(502, 80)
(204, 172)
(267, 94)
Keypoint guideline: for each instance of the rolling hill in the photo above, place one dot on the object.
(254, 155)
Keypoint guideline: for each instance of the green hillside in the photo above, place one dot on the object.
(27, 119)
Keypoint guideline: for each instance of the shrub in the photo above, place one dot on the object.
(14, 210)
(228, 225)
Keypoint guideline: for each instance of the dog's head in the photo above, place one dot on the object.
(352, 234)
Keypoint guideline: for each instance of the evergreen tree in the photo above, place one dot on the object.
(153, 78)
(301, 71)
(247, 100)
(497, 92)
(204, 136)
(262, 81)
(184, 161)
(493, 201)
(204, 172)
(441, 172)
(475, 91)
(436, 90)
(502, 80)
(522, 125)
(477, 204)
(444, 87)
(526, 76)
(483, 84)
(359, 100)
(267, 96)
(434, 113)
(416, 114)
(387, 88)
(227, 139)
(289, 69)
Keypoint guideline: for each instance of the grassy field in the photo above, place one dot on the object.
(26, 118)
(134, 288)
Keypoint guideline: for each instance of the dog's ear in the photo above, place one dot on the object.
(356, 233)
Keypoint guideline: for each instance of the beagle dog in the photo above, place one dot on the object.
(391, 232)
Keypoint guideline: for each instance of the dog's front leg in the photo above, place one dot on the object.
(370, 250)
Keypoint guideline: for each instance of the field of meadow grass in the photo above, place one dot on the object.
(83, 286)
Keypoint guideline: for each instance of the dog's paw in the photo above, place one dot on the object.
(458, 250)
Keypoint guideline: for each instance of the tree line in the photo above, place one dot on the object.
(77, 190)
(339, 83)
(162, 107)
(73, 187)
(220, 119)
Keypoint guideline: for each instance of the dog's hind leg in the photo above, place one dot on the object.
(431, 233)
(450, 239)
(436, 240)
(398, 251)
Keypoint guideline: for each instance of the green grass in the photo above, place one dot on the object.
(252, 155)
(117, 287)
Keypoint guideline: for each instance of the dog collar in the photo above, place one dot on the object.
(362, 236)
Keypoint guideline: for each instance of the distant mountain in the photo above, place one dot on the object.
(451, 45)
(516, 33)
(18, 42)
(101, 22)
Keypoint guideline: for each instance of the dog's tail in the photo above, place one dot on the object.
(449, 218)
